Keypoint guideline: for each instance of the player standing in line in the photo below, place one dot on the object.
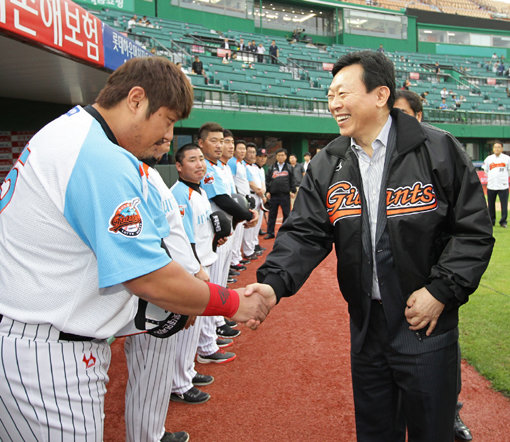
(210, 140)
(150, 359)
(410, 103)
(79, 240)
(251, 236)
(195, 211)
(261, 161)
(497, 168)
(239, 172)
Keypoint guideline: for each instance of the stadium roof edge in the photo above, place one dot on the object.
(349, 6)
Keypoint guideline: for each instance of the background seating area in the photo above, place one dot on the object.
(303, 70)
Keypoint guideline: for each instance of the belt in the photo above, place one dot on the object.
(63, 336)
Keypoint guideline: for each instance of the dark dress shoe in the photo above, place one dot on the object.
(262, 232)
(269, 236)
(462, 432)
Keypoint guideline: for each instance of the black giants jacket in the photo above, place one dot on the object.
(437, 220)
(280, 182)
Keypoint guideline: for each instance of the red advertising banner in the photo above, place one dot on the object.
(60, 24)
(12, 144)
(325, 66)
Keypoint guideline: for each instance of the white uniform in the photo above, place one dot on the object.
(251, 236)
(262, 176)
(151, 360)
(224, 252)
(238, 169)
(195, 210)
(497, 169)
(75, 225)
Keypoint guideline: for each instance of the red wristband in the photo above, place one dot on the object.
(222, 301)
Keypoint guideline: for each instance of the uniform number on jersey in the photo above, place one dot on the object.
(9, 184)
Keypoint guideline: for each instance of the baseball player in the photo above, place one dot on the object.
(251, 236)
(497, 168)
(211, 142)
(78, 241)
(260, 162)
(150, 360)
(196, 212)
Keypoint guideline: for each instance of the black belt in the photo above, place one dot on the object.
(63, 336)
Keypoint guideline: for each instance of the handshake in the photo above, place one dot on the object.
(255, 302)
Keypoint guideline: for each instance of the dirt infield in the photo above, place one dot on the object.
(291, 379)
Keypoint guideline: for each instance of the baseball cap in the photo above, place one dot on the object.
(261, 152)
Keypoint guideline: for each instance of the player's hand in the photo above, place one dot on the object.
(253, 221)
(191, 321)
(202, 275)
(423, 309)
(293, 194)
(222, 241)
(268, 195)
(254, 304)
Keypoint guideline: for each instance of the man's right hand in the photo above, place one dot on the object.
(255, 302)
(253, 221)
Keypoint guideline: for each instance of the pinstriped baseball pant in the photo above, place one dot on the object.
(50, 389)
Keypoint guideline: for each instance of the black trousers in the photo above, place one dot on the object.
(277, 200)
(393, 391)
(503, 199)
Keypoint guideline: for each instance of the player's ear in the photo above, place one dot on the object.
(136, 99)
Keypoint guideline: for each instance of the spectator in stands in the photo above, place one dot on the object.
(242, 46)
(437, 70)
(494, 56)
(274, 52)
(444, 93)
(307, 156)
(423, 97)
(252, 46)
(225, 44)
(501, 69)
(507, 92)
(198, 68)
(443, 105)
(457, 102)
(380, 49)
(497, 168)
(406, 84)
(131, 23)
(260, 53)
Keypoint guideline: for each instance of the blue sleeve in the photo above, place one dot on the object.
(232, 163)
(213, 184)
(105, 206)
(181, 196)
(249, 173)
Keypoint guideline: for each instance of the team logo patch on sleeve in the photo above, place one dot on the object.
(209, 178)
(343, 201)
(126, 219)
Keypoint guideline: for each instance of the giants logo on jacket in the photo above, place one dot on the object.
(277, 174)
(344, 201)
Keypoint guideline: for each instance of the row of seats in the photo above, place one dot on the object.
(300, 72)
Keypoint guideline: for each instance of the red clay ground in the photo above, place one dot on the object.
(291, 378)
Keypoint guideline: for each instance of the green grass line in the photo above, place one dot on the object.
(484, 323)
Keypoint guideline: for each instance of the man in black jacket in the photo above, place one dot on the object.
(280, 185)
(404, 208)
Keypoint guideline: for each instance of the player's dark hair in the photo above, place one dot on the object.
(251, 145)
(412, 98)
(378, 70)
(497, 142)
(281, 149)
(293, 155)
(239, 142)
(227, 133)
(204, 130)
(165, 85)
(307, 154)
(179, 155)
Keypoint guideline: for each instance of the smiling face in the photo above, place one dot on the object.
(228, 149)
(497, 149)
(192, 167)
(358, 113)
